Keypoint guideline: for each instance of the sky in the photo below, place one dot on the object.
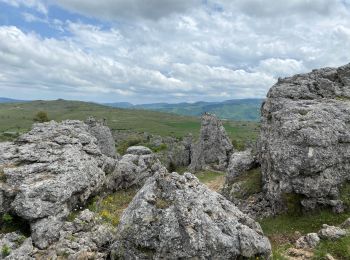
(146, 51)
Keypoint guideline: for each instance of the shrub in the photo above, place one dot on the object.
(5, 251)
(41, 117)
(7, 218)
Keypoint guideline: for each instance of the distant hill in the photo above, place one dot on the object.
(18, 117)
(235, 109)
(10, 100)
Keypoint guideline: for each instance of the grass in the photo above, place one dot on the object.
(10, 223)
(111, 207)
(214, 180)
(339, 249)
(18, 117)
(5, 251)
(284, 229)
(250, 183)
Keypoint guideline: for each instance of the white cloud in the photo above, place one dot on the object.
(176, 52)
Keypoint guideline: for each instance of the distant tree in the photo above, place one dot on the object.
(41, 117)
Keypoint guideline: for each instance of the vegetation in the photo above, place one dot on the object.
(214, 180)
(5, 251)
(111, 207)
(10, 223)
(41, 117)
(17, 117)
(284, 229)
(339, 249)
(250, 183)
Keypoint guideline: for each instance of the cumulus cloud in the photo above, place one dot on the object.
(36, 4)
(210, 51)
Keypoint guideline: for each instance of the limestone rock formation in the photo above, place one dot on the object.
(15, 246)
(214, 147)
(86, 237)
(305, 138)
(103, 134)
(133, 169)
(47, 172)
(177, 217)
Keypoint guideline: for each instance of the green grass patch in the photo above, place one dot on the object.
(340, 249)
(111, 207)
(345, 194)
(250, 183)
(284, 229)
(208, 176)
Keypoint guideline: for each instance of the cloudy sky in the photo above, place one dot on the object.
(145, 51)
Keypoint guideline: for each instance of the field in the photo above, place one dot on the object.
(18, 117)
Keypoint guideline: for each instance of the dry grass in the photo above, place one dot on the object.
(214, 180)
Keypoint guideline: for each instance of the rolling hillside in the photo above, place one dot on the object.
(18, 117)
(236, 109)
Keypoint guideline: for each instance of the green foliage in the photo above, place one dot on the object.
(5, 250)
(340, 249)
(7, 218)
(41, 117)
(132, 141)
(157, 149)
(111, 207)
(250, 183)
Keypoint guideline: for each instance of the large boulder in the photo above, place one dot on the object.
(49, 171)
(305, 138)
(214, 147)
(103, 134)
(177, 217)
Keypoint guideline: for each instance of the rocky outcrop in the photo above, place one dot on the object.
(305, 138)
(15, 246)
(103, 134)
(86, 237)
(175, 217)
(214, 147)
(134, 168)
(49, 171)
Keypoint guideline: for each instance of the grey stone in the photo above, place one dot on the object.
(138, 150)
(49, 171)
(214, 147)
(103, 134)
(132, 170)
(175, 216)
(310, 240)
(331, 232)
(305, 138)
(346, 224)
(17, 245)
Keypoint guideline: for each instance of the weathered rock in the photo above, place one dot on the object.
(305, 137)
(175, 216)
(138, 150)
(299, 254)
(15, 246)
(133, 169)
(214, 147)
(331, 232)
(240, 162)
(103, 134)
(310, 240)
(49, 171)
(86, 237)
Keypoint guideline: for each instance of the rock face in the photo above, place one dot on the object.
(49, 171)
(134, 168)
(103, 134)
(175, 217)
(305, 138)
(214, 148)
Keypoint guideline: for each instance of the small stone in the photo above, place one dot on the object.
(311, 240)
(138, 150)
(331, 232)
